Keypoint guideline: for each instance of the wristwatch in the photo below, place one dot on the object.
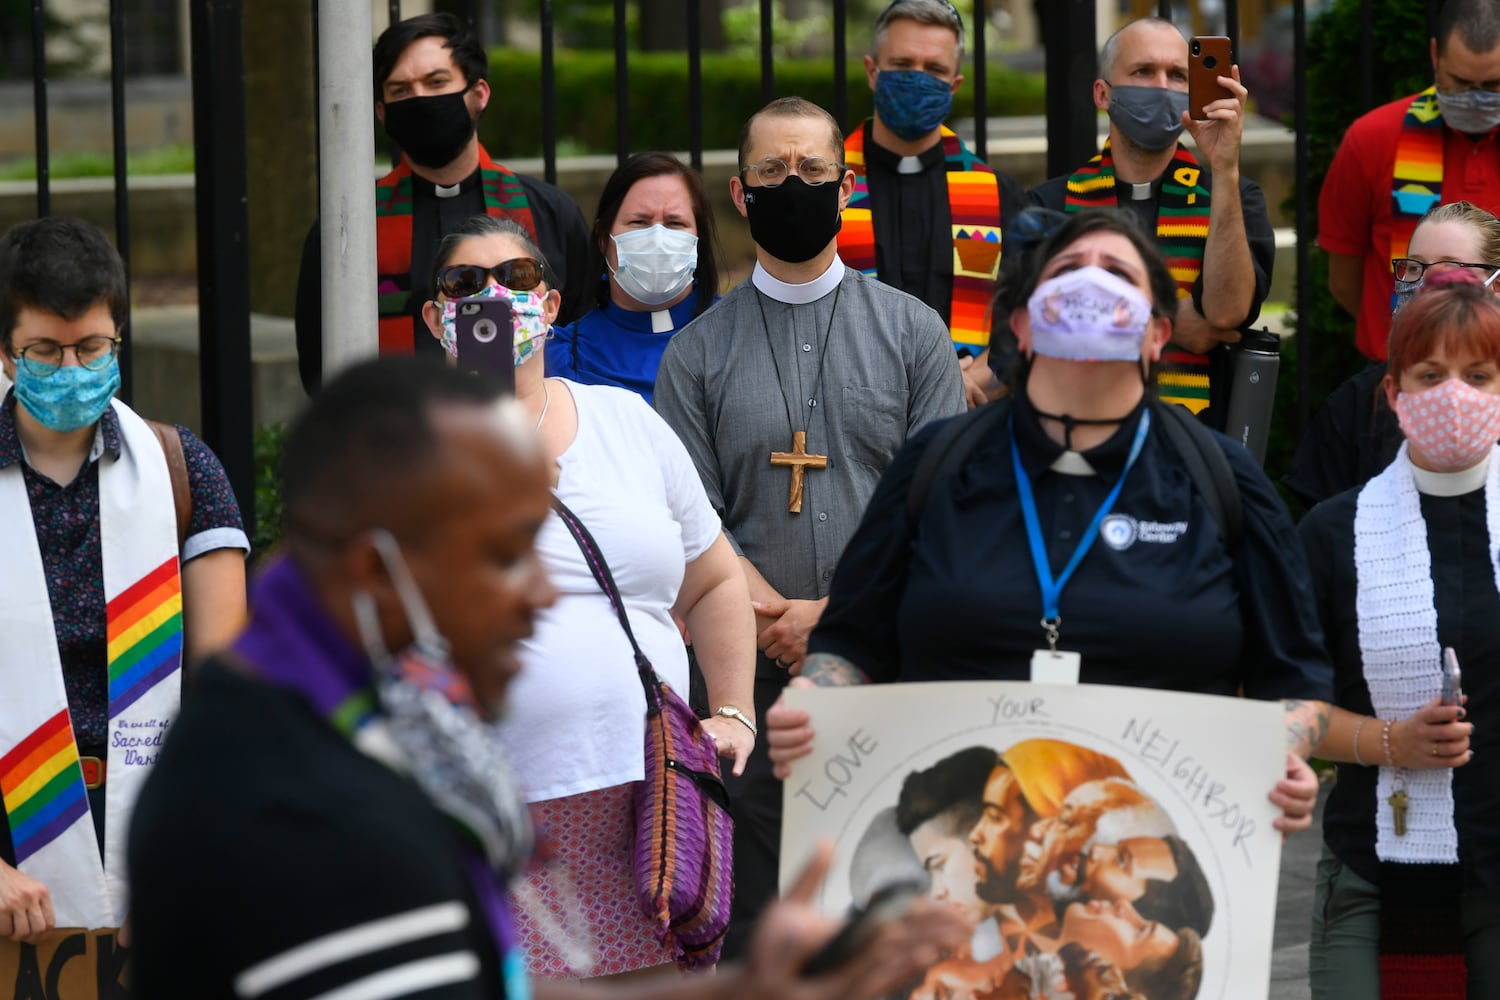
(729, 711)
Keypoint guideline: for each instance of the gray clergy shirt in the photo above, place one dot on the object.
(889, 368)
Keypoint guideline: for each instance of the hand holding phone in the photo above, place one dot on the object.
(1209, 57)
(889, 903)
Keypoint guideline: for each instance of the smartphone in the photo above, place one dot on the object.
(1208, 59)
(1452, 693)
(889, 903)
(483, 333)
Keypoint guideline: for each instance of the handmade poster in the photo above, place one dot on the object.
(69, 964)
(1107, 842)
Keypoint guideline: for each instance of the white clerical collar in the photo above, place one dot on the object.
(796, 295)
(909, 165)
(1142, 192)
(447, 192)
(1071, 463)
(661, 321)
(1449, 484)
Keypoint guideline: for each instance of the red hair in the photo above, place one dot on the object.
(1453, 313)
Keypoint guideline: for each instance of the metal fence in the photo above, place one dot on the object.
(220, 149)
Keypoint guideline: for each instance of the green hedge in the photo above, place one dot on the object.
(658, 94)
(1401, 66)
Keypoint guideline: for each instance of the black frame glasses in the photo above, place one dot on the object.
(99, 355)
(1411, 269)
(519, 274)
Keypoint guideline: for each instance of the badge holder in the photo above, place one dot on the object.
(1053, 665)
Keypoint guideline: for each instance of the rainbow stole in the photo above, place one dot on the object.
(1417, 183)
(1181, 233)
(41, 781)
(973, 203)
(504, 198)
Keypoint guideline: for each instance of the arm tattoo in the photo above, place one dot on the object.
(1306, 725)
(828, 670)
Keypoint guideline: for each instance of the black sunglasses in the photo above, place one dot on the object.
(521, 274)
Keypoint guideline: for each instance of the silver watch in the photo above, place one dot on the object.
(729, 711)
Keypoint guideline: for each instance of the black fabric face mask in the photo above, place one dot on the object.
(793, 221)
(431, 131)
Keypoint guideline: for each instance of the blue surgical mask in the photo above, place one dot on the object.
(911, 103)
(1473, 111)
(70, 398)
(1150, 117)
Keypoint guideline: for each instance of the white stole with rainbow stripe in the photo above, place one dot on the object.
(40, 777)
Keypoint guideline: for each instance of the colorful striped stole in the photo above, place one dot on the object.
(41, 781)
(974, 207)
(1181, 233)
(504, 198)
(1417, 183)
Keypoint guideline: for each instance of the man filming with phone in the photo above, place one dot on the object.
(1209, 221)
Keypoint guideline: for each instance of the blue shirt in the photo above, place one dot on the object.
(615, 346)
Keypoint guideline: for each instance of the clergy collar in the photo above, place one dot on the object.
(653, 320)
(420, 185)
(1450, 484)
(1140, 192)
(796, 295)
(880, 158)
(1039, 452)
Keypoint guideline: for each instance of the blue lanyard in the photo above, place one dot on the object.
(1052, 588)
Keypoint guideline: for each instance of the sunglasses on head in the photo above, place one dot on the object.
(459, 281)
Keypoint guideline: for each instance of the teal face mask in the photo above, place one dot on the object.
(70, 398)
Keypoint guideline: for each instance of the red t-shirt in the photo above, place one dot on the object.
(1354, 207)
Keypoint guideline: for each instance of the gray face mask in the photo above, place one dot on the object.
(1471, 111)
(1150, 117)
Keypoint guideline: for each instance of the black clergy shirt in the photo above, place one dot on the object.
(1468, 619)
(1165, 607)
(1353, 436)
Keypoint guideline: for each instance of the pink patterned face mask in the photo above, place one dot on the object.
(1453, 425)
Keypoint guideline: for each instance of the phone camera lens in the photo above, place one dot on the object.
(485, 331)
(1210, 62)
(1197, 48)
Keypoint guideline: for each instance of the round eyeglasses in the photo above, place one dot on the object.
(813, 170)
(520, 274)
(45, 357)
(1410, 269)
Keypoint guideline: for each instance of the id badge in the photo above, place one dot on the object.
(1059, 666)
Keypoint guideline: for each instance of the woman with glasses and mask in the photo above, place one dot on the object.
(654, 251)
(1404, 568)
(575, 719)
(124, 561)
(1071, 527)
(1355, 434)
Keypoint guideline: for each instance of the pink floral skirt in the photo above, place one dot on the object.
(578, 913)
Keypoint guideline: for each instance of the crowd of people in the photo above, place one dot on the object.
(406, 763)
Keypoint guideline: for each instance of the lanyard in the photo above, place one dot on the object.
(1052, 588)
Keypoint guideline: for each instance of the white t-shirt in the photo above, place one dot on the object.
(575, 716)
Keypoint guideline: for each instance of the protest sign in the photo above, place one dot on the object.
(1106, 841)
(68, 964)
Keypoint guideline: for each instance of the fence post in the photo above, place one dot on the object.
(1300, 168)
(549, 95)
(622, 84)
(39, 104)
(1072, 132)
(122, 190)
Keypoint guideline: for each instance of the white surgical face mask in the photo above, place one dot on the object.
(656, 264)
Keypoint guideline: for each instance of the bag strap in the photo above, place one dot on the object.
(1209, 468)
(947, 451)
(182, 493)
(602, 576)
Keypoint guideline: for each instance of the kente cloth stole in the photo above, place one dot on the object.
(1182, 209)
(973, 203)
(504, 198)
(1417, 184)
(40, 777)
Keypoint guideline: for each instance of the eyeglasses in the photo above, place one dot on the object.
(813, 170)
(45, 357)
(521, 274)
(1408, 269)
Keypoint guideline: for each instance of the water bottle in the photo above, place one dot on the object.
(1252, 391)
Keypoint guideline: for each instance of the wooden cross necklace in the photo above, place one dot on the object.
(798, 459)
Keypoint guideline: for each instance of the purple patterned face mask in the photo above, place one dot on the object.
(1088, 315)
(529, 318)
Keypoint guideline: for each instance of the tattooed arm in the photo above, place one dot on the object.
(789, 731)
(1296, 794)
(1306, 724)
(828, 670)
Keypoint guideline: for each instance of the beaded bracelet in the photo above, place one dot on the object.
(1385, 744)
(1357, 730)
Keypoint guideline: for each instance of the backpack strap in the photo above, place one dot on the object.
(1208, 467)
(182, 493)
(947, 451)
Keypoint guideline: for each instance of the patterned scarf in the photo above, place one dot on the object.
(1417, 184)
(1181, 232)
(504, 198)
(973, 204)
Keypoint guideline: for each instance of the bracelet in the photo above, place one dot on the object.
(1357, 730)
(1385, 744)
(729, 711)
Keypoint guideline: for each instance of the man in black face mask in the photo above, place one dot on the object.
(430, 90)
(809, 375)
(1211, 223)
